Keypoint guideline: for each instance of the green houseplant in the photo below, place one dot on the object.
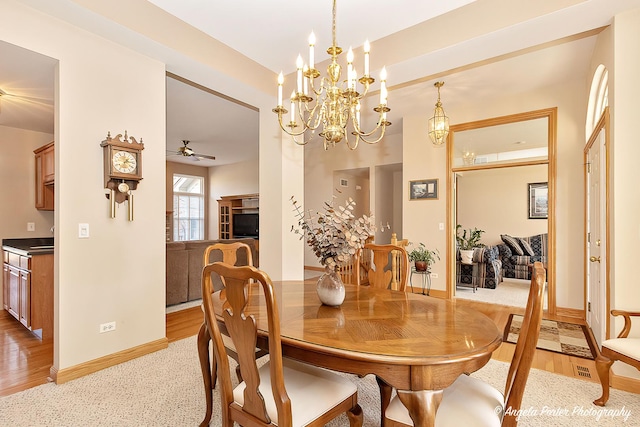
(467, 241)
(423, 257)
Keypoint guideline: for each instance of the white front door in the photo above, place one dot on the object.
(596, 234)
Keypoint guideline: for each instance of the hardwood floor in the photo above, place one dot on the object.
(25, 360)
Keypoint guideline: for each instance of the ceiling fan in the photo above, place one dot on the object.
(187, 151)
(39, 102)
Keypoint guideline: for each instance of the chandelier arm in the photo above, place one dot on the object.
(303, 142)
(355, 143)
(370, 141)
(283, 127)
(309, 124)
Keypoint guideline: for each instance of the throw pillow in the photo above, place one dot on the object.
(512, 243)
(526, 247)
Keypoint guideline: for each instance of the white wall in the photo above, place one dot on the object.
(496, 201)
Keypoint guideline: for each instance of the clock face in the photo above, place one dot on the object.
(124, 162)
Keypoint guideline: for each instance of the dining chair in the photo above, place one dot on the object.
(621, 348)
(263, 397)
(230, 255)
(471, 402)
(389, 267)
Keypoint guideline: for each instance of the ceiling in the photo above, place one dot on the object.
(513, 59)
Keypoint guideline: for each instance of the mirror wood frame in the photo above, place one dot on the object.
(551, 115)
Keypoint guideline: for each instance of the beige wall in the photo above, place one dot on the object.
(423, 160)
(319, 167)
(17, 197)
(625, 194)
(103, 278)
(496, 201)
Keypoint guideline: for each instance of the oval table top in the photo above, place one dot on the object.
(389, 326)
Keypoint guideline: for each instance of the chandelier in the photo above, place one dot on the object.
(336, 111)
(468, 158)
(439, 123)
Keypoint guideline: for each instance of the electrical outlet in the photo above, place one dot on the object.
(107, 327)
(441, 226)
(434, 275)
(31, 226)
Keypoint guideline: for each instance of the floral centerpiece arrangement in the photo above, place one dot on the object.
(335, 235)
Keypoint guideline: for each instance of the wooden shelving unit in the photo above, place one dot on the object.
(228, 205)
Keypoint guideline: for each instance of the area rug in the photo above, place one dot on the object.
(560, 337)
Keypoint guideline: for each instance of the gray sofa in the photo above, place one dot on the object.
(184, 267)
(515, 257)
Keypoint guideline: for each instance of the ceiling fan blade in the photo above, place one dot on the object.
(204, 156)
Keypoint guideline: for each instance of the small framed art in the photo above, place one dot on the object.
(425, 189)
(538, 200)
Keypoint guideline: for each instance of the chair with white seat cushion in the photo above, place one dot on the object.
(231, 253)
(281, 392)
(622, 348)
(471, 402)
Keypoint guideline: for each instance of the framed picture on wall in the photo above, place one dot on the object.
(538, 200)
(424, 189)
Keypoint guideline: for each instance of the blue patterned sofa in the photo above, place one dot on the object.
(486, 269)
(517, 253)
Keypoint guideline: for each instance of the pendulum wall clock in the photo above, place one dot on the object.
(122, 170)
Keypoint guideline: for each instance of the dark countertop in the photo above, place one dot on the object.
(28, 247)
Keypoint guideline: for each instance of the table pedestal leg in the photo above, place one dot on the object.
(422, 405)
(385, 397)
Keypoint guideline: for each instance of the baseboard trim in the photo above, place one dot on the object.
(570, 312)
(620, 382)
(432, 293)
(67, 374)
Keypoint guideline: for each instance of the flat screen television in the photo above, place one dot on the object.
(246, 225)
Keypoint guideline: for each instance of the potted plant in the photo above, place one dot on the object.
(423, 257)
(469, 240)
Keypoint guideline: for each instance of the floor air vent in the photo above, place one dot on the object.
(582, 372)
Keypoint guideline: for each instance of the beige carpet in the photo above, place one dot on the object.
(165, 389)
(511, 292)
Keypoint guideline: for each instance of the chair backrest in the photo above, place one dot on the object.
(525, 346)
(389, 266)
(229, 253)
(242, 329)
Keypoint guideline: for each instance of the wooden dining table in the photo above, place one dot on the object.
(414, 343)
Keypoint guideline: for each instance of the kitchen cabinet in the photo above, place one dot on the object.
(45, 177)
(28, 289)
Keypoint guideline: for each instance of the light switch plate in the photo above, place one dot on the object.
(31, 226)
(83, 231)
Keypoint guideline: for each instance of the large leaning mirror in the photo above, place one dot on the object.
(501, 180)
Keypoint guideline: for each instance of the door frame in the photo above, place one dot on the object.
(602, 124)
(552, 116)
